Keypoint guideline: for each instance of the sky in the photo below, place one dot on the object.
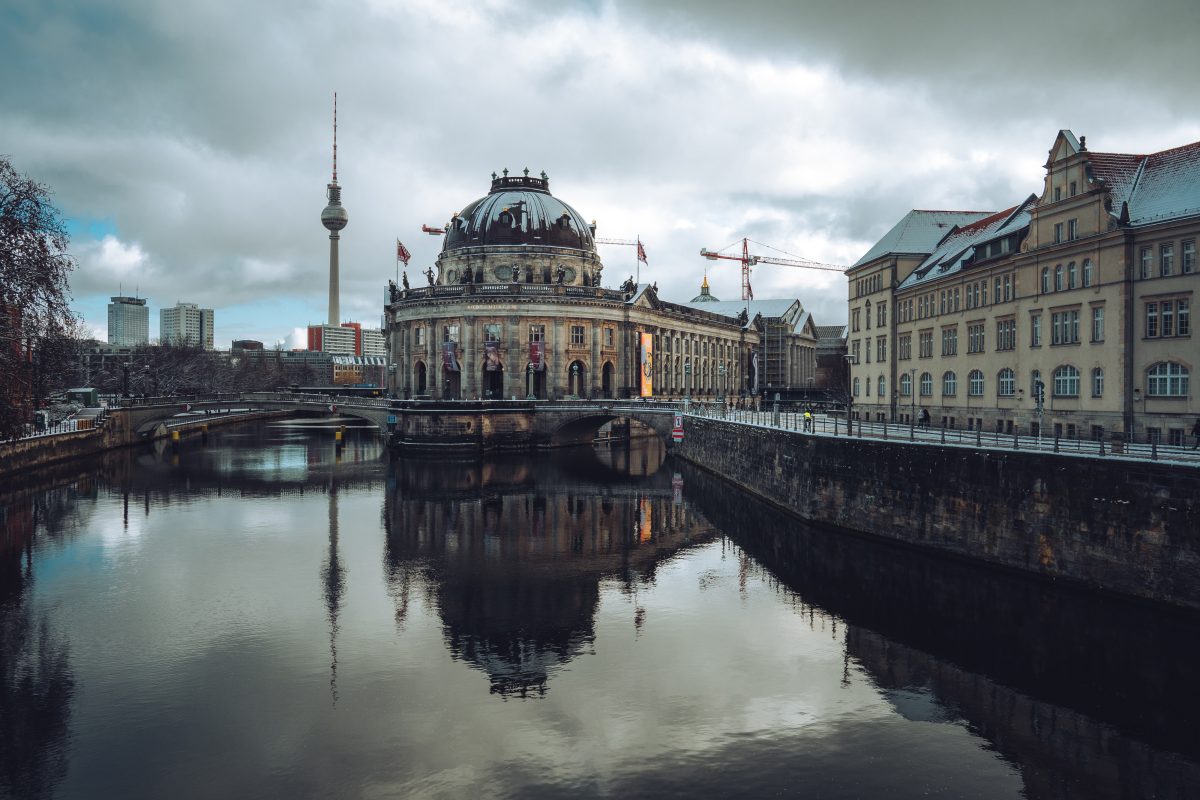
(188, 145)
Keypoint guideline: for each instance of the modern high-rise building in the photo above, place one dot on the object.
(334, 339)
(128, 322)
(186, 324)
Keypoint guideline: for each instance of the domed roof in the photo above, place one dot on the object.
(519, 211)
(704, 296)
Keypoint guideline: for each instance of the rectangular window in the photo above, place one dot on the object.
(1183, 322)
(1072, 230)
(1006, 334)
(1008, 288)
(881, 349)
(537, 333)
(942, 304)
(1098, 323)
(1064, 327)
(576, 335)
(1147, 262)
(609, 337)
(949, 341)
(925, 343)
(1168, 318)
(855, 351)
(491, 332)
(1035, 330)
(975, 340)
(1151, 320)
(1074, 188)
(996, 293)
(449, 333)
(1057, 193)
(957, 294)
(854, 320)
(905, 347)
(1166, 259)
(1097, 382)
(882, 313)
(419, 336)
(1058, 232)
(1189, 257)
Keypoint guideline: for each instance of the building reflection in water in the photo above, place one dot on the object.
(512, 551)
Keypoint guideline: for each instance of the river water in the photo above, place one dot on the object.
(265, 614)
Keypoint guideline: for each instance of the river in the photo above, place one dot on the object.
(267, 614)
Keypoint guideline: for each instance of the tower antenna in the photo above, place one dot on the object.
(335, 138)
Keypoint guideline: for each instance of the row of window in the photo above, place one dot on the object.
(868, 285)
(1166, 259)
(1164, 379)
(1070, 277)
(491, 334)
(949, 301)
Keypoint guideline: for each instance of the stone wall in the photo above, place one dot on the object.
(1128, 527)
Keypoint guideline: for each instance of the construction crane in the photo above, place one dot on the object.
(433, 231)
(749, 260)
(641, 251)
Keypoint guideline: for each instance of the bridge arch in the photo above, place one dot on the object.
(582, 427)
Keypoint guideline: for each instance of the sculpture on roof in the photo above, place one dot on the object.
(429, 275)
(404, 278)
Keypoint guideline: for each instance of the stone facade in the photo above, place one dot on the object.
(1086, 288)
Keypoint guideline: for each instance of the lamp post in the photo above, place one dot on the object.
(851, 360)
(391, 380)
(575, 379)
(912, 392)
(687, 382)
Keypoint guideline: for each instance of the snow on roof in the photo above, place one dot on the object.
(1168, 188)
(958, 248)
(919, 232)
(731, 308)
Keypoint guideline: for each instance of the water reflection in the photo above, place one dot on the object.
(513, 551)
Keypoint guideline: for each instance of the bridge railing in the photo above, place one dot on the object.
(824, 425)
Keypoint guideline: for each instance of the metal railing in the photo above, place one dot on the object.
(74, 424)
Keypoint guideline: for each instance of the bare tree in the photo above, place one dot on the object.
(34, 291)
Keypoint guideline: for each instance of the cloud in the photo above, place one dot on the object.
(199, 133)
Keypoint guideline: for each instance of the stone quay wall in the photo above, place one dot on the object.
(1122, 526)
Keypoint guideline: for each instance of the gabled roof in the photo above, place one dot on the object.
(1157, 187)
(958, 248)
(731, 308)
(919, 232)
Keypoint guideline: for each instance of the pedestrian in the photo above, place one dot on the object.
(1196, 433)
(808, 418)
(924, 418)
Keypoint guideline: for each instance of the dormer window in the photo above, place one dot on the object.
(1074, 188)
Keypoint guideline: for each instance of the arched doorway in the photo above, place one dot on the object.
(535, 382)
(420, 379)
(451, 384)
(607, 377)
(577, 379)
(492, 377)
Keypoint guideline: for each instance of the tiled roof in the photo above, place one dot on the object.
(956, 249)
(1169, 186)
(919, 232)
(831, 331)
(731, 308)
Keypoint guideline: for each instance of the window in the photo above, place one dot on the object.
(1058, 278)
(1098, 323)
(854, 320)
(1057, 193)
(1066, 381)
(1147, 261)
(1097, 382)
(1183, 324)
(1045, 280)
(1151, 320)
(868, 315)
(1064, 327)
(975, 383)
(449, 333)
(926, 385)
(491, 332)
(1166, 262)
(1074, 188)
(925, 343)
(1189, 257)
(949, 384)
(904, 347)
(881, 314)
(576, 334)
(855, 350)
(1072, 274)
(996, 292)
(1168, 318)
(1088, 277)
(1006, 383)
(906, 385)
(881, 349)
(942, 304)
(949, 341)
(857, 382)
(1035, 330)
(1058, 232)
(1072, 229)
(1008, 288)
(1167, 379)
(975, 341)
(419, 336)
(881, 385)
(609, 337)
(867, 386)
(537, 333)
(1006, 334)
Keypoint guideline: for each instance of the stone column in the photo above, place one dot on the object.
(470, 376)
(597, 368)
(556, 382)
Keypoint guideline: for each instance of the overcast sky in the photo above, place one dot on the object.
(188, 144)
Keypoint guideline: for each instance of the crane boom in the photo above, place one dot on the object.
(747, 260)
(599, 240)
(432, 231)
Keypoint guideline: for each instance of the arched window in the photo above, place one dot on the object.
(1066, 381)
(856, 385)
(1167, 379)
(949, 384)
(906, 385)
(881, 385)
(975, 383)
(926, 385)
(867, 388)
(1072, 274)
(1098, 382)
(1006, 383)
(1045, 280)
(1058, 278)
(1088, 277)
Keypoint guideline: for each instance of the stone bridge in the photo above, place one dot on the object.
(459, 425)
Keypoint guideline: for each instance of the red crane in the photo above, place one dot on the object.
(641, 251)
(433, 231)
(749, 260)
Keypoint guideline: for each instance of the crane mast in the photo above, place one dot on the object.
(748, 260)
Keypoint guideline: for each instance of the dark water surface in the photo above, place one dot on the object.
(259, 616)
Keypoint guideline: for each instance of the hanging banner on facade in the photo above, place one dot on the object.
(537, 356)
(491, 357)
(753, 372)
(449, 361)
(647, 362)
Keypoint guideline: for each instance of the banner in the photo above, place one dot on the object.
(491, 357)
(537, 356)
(449, 362)
(647, 364)
(753, 372)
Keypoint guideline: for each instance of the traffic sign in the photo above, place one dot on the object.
(677, 429)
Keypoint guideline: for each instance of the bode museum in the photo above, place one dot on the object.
(515, 309)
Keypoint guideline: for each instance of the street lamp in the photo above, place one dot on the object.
(391, 380)
(125, 378)
(687, 382)
(851, 360)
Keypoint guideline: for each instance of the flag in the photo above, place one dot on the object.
(641, 252)
(402, 253)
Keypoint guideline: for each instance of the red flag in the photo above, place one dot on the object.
(641, 252)
(402, 253)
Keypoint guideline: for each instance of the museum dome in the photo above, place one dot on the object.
(704, 296)
(519, 210)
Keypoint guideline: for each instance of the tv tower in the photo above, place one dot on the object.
(334, 218)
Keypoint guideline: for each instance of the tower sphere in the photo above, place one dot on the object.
(334, 217)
